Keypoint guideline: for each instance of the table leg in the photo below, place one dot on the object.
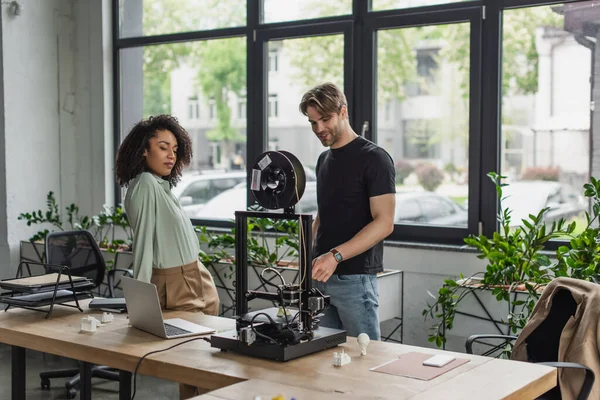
(85, 381)
(124, 385)
(18, 373)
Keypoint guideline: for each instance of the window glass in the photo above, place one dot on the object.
(159, 17)
(302, 64)
(423, 114)
(291, 10)
(548, 142)
(407, 211)
(182, 79)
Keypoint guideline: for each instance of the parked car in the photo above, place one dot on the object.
(428, 208)
(223, 206)
(196, 189)
(529, 197)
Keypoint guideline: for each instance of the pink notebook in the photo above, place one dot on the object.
(411, 365)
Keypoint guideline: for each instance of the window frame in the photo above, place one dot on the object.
(360, 47)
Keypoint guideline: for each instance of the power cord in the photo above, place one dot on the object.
(159, 351)
(270, 339)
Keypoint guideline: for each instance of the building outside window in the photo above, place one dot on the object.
(273, 106)
(193, 108)
(273, 60)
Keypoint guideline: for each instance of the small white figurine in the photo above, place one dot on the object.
(363, 341)
(107, 317)
(89, 324)
(340, 359)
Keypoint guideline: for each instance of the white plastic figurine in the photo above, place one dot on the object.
(89, 324)
(340, 359)
(363, 341)
(107, 317)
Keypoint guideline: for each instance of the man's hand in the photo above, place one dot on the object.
(323, 267)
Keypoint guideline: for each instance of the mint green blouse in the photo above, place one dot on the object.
(163, 235)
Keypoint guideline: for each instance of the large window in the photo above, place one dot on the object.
(423, 75)
(547, 83)
(303, 61)
(451, 89)
(290, 10)
(159, 17)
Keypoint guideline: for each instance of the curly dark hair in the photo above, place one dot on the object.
(130, 161)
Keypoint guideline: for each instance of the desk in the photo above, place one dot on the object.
(495, 379)
(120, 346)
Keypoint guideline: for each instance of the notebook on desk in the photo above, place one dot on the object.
(145, 314)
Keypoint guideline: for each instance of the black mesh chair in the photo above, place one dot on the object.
(543, 343)
(79, 251)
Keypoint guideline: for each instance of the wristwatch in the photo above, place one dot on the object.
(337, 255)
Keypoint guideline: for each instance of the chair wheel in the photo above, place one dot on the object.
(45, 383)
(71, 393)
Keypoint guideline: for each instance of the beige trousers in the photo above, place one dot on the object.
(187, 288)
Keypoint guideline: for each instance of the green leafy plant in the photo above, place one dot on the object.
(284, 244)
(102, 226)
(403, 170)
(52, 216)
(105, 224)
(514, 262)
(430, 176)
(541, 174)
(581, 259)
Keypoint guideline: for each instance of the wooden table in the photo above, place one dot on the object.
(119, 345)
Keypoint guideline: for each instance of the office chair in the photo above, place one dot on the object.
(79, 251)
(543, 342)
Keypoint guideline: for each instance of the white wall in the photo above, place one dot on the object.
(56, 65)
(425, 271)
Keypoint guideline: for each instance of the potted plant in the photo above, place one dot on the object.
(271, 243)
(516, 264)
(103, 226)
(581, 258)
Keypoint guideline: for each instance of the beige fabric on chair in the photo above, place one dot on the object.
(580, 338)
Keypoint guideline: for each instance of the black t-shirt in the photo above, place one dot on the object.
(346, 178)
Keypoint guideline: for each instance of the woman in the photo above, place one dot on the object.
(165, 247)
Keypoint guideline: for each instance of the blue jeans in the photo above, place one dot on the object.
(354, 304)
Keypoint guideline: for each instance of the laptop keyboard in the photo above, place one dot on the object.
(174, 331)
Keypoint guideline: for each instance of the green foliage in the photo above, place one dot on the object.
(582, 259)
(52, 216)
(260, 252)
(514, 262)
(223, 72)
(403, 170)
(541, 173)
(104, 228)
(429, 176)
(220, 63)
(452, 170)
(519, 53)
(102, 225)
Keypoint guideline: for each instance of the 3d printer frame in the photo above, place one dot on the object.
(308, 337)
(243, 295)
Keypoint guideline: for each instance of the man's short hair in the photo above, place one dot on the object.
(327, 98)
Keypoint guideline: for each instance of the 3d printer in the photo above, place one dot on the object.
(290, 330)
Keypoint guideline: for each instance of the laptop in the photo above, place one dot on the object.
(144, 312)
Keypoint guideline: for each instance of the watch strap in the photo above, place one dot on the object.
(337, 255)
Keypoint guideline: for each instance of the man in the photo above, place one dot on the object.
(355, 197)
